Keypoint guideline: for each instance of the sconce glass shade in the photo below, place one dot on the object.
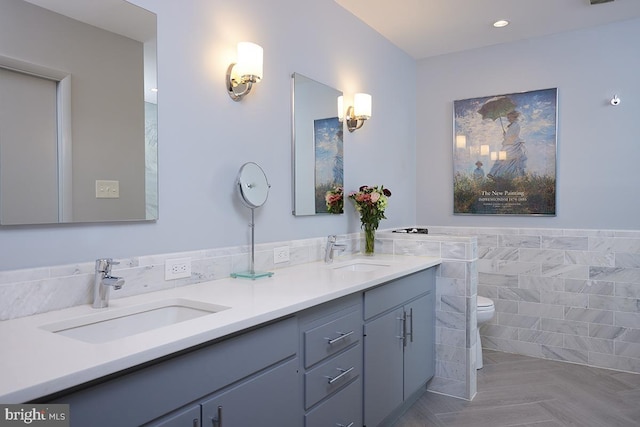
(341, 109)
(358, 113)
(249, 61)
(248, 70)
(362, 106)
(461, 141)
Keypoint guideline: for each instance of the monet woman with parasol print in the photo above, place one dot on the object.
(491, 131)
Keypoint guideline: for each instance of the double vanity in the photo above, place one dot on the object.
(349, 343)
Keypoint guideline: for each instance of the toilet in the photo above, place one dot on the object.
(485, 312)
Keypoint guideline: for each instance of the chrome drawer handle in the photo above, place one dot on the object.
(335, 340)
(343, 373)
(342, 425)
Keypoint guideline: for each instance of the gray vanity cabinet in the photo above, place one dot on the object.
(399, 332)
(352, 362)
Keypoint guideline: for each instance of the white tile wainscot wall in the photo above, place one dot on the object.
(561, 294)
(456, 286)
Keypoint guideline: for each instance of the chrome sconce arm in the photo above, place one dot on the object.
(238, 87)
(353, 123)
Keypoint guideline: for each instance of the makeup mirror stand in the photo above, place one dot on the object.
(253, 188)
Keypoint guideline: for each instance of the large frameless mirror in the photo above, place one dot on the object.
(78, 112)
(317, 145)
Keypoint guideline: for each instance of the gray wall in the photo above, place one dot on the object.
(598, 171)
(204, 137)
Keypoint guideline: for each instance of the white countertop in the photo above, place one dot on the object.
(35, 362)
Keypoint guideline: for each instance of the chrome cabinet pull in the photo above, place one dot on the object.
(342, 336)
(218, 422)
(342, 425)
(410, 316)
(196, 422)
(403, 329)
(343, 372)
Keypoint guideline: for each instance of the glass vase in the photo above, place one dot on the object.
(369, 239)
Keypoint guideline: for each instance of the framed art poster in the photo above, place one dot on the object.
(504, 154)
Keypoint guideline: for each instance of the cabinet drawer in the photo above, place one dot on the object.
(395, 293)
(343, 409)
(333, 374)
(331, 337)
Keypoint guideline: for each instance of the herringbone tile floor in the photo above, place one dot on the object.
(515, 390)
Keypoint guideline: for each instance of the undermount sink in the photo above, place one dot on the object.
(120, 323)
(360, 265)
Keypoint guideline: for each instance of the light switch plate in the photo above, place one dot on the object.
(107, 189)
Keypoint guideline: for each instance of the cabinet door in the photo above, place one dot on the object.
(189, 417)
(383, 358)
(270, 399)
(419, 363)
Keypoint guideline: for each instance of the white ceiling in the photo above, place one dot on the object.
(425, 28)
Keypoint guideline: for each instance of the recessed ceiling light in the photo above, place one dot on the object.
(501, 23)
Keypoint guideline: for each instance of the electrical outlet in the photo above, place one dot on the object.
(177, 268)
(281, 254)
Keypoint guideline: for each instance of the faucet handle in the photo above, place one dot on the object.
(331, 238)
(104, 264)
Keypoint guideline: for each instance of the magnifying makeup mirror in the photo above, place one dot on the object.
(253, 189)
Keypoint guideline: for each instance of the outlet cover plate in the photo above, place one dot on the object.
(178, 268)
(281, 254)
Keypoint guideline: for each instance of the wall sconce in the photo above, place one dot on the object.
(461, 141)
(241, 75)
(356, 114)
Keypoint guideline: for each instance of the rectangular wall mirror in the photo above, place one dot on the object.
(78, 112)
(317, 145)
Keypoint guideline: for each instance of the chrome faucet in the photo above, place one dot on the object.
(104, 281)
(332, 246)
